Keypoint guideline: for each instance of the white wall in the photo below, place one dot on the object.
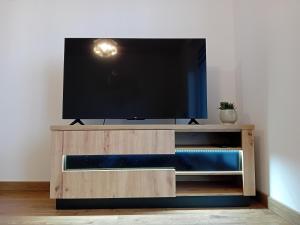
(31, 61)
(268, 34)
(252, 79)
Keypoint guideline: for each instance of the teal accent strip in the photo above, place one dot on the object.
(178, 150)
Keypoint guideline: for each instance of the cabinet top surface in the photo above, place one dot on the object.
(176, 127)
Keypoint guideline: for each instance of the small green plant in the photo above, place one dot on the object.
(226, 105)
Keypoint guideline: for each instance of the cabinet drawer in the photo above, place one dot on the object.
(114, 142)
(119, 183)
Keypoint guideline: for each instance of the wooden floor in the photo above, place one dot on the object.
(35, 207)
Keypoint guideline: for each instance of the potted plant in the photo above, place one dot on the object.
(228, 113)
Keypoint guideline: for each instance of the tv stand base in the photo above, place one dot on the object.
(177, 202)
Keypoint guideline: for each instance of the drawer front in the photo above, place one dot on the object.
(114, 142)
(119, 183)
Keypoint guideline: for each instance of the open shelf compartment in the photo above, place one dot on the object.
(209, 139)
(208, 161)
(210, 186)
(211, 173)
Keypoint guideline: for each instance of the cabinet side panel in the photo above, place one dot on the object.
(56, 164)
(249, 188)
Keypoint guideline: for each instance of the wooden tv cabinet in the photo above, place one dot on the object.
(158, 141)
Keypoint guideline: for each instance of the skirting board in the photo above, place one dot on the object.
(262, 198)
(24, 186)
(285, 212)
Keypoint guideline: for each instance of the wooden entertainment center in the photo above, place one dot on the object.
(95, 145)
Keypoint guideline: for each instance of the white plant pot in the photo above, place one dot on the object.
(228, 116)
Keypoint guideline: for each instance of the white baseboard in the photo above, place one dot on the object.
(284, 211)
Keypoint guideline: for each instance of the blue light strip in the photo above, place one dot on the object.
(191, 150)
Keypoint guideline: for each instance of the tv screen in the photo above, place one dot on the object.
(120, 78)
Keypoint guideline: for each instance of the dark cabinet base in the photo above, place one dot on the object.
(176, 202)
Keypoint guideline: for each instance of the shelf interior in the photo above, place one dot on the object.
(212, 173)
(212, 139)
(207, 185)
(206, 188)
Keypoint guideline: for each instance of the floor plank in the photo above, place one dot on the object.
(32, 208)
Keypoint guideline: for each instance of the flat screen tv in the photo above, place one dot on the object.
(129, 78)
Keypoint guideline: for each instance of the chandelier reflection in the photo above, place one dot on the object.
(105, 48)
